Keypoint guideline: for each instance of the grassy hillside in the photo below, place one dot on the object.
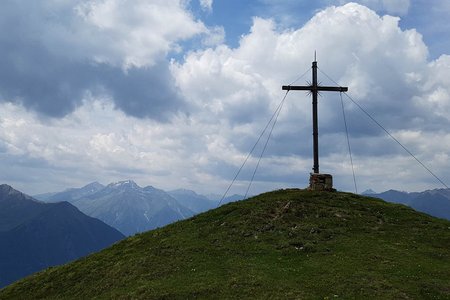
(282, 244)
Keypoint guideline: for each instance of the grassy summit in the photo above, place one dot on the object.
(282, 244)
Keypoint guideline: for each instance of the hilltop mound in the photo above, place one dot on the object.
(282, 244)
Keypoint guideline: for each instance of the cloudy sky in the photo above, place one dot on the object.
(174, 93)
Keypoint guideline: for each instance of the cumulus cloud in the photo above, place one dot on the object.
(136, 35)
(356, 47)
(394, 7)
(215, 36)
(54, 52)
(434, 96)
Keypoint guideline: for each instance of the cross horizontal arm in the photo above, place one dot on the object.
(296, 88)
(332, 88)
(310, 88)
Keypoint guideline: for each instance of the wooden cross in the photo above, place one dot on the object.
(314, 89)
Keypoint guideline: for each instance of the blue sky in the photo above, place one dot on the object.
(174, 93)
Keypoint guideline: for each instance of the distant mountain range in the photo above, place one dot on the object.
(433, 202)
(71, 194)
(193, 201)
(35, 235)
(132, 209)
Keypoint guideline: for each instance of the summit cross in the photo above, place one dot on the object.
(315, 88)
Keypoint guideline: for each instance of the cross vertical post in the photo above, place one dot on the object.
(315, 118)
(317, 181)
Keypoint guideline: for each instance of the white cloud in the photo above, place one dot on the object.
(206, 5)
(434, 97)
(136, 35)
(215, 36)
(394, 7)
(128, 33)
(59, 50)
(246, 80)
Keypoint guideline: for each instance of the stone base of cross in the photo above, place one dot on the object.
(321, 182)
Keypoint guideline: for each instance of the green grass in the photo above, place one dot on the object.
(289, 244)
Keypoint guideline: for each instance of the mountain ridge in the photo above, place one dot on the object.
(35, 235)
(130, 208)
(434, 202)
